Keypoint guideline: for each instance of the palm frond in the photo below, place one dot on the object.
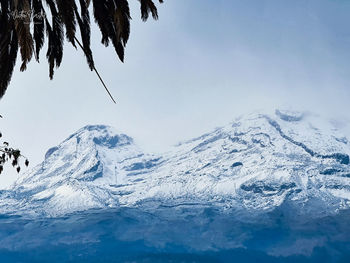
(23, 24)
(66, 9)
(8, 47)
(39, 26)
(84, 26)
(22, 27)
(147, 7)
(55, 36)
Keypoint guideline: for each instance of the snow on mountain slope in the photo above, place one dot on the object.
(77, 174)
(256, 163)
(252, 164)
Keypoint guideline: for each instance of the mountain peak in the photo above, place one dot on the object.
(289, 115)
(101, 135)
(83, 165)
(96, 127)
(258, 162)
(91, 136)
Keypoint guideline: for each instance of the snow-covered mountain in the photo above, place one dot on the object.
(254, 164)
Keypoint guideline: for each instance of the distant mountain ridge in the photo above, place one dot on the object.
(253, 165)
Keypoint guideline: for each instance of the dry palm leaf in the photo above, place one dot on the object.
(23, 24)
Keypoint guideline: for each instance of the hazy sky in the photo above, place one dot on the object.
(201, 65)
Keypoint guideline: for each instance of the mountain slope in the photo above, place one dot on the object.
(255, 164)
(76, 174)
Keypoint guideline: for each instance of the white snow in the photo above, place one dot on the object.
(247, 164)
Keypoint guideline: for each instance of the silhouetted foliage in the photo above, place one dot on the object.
(8, 154)
(24, 26)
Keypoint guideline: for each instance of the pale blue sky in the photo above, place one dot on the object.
(201, 65)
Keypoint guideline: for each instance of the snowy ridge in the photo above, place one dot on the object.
(255, 164)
